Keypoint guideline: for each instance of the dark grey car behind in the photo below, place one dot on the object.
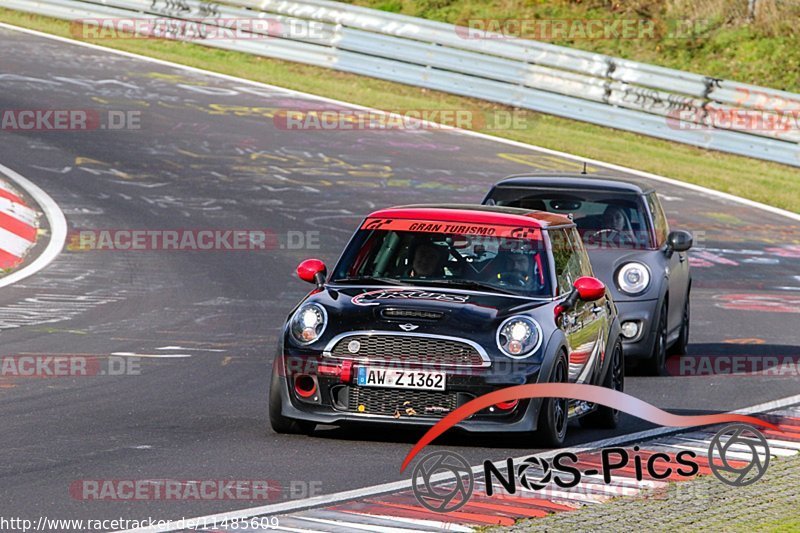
(628, 238)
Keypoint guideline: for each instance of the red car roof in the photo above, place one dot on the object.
(476, 214)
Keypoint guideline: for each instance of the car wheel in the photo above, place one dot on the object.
(605, 417)
(679, 348)
(656, 365)
(553, 416)
(280, 423)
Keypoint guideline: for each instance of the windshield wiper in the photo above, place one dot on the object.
(370, 279)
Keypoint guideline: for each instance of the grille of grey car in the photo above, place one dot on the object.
(411, 313)
(405, 403)
(407, 349)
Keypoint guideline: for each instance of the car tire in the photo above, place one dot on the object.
(283, 424)
(656, 365)
(681, 345)
(551, 430)
(605, 417)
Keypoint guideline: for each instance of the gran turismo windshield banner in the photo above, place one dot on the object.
(432, 226)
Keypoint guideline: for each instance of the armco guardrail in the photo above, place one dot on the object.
(670, 104)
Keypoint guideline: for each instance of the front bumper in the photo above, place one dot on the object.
(646, 313)
(339, 400)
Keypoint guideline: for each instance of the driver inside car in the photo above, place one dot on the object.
(518, 270)
(614, 218)
(616, 223)
(428, 261)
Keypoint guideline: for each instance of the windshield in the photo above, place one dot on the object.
(496, 263)
(604, 219)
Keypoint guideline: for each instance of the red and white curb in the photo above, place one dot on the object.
(19, 225)
(399, 511)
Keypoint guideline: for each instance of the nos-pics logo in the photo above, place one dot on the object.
(443, 481)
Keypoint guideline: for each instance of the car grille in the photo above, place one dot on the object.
(401, 403)
(409, 349)
(411, 313)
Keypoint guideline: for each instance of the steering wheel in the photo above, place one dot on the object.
(607, 235)
(610, 231)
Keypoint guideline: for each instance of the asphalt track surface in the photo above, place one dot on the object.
(203, 160)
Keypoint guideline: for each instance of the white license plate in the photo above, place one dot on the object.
(400, 379)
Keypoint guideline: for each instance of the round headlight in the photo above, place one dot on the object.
(519, 336)
(308, 323)
(633, 278)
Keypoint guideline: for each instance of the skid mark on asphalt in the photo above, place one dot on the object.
(49, 308)
(759, 302)
(71, 287)
(400, 511)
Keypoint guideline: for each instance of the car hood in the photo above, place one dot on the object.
(432, 310)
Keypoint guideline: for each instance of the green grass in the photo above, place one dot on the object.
(778, 525)
(770, 183)
(719, 40)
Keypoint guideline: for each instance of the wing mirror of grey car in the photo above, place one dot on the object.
(313, 271)
(679, 241)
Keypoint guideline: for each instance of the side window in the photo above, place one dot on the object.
(659, 219)
(568, 263)
(580, 253)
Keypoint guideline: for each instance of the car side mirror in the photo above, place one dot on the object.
(589, 289)
(585, 288)
(679, 240)
(313, 271)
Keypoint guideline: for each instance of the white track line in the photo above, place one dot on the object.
(55, 219)
(702, 445)
(153, 355)
(611, 166)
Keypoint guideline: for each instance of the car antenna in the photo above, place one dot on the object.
(584, 168)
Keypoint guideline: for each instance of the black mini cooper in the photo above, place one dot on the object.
(432, 306)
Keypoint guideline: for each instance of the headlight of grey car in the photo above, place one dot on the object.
(633, 278)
